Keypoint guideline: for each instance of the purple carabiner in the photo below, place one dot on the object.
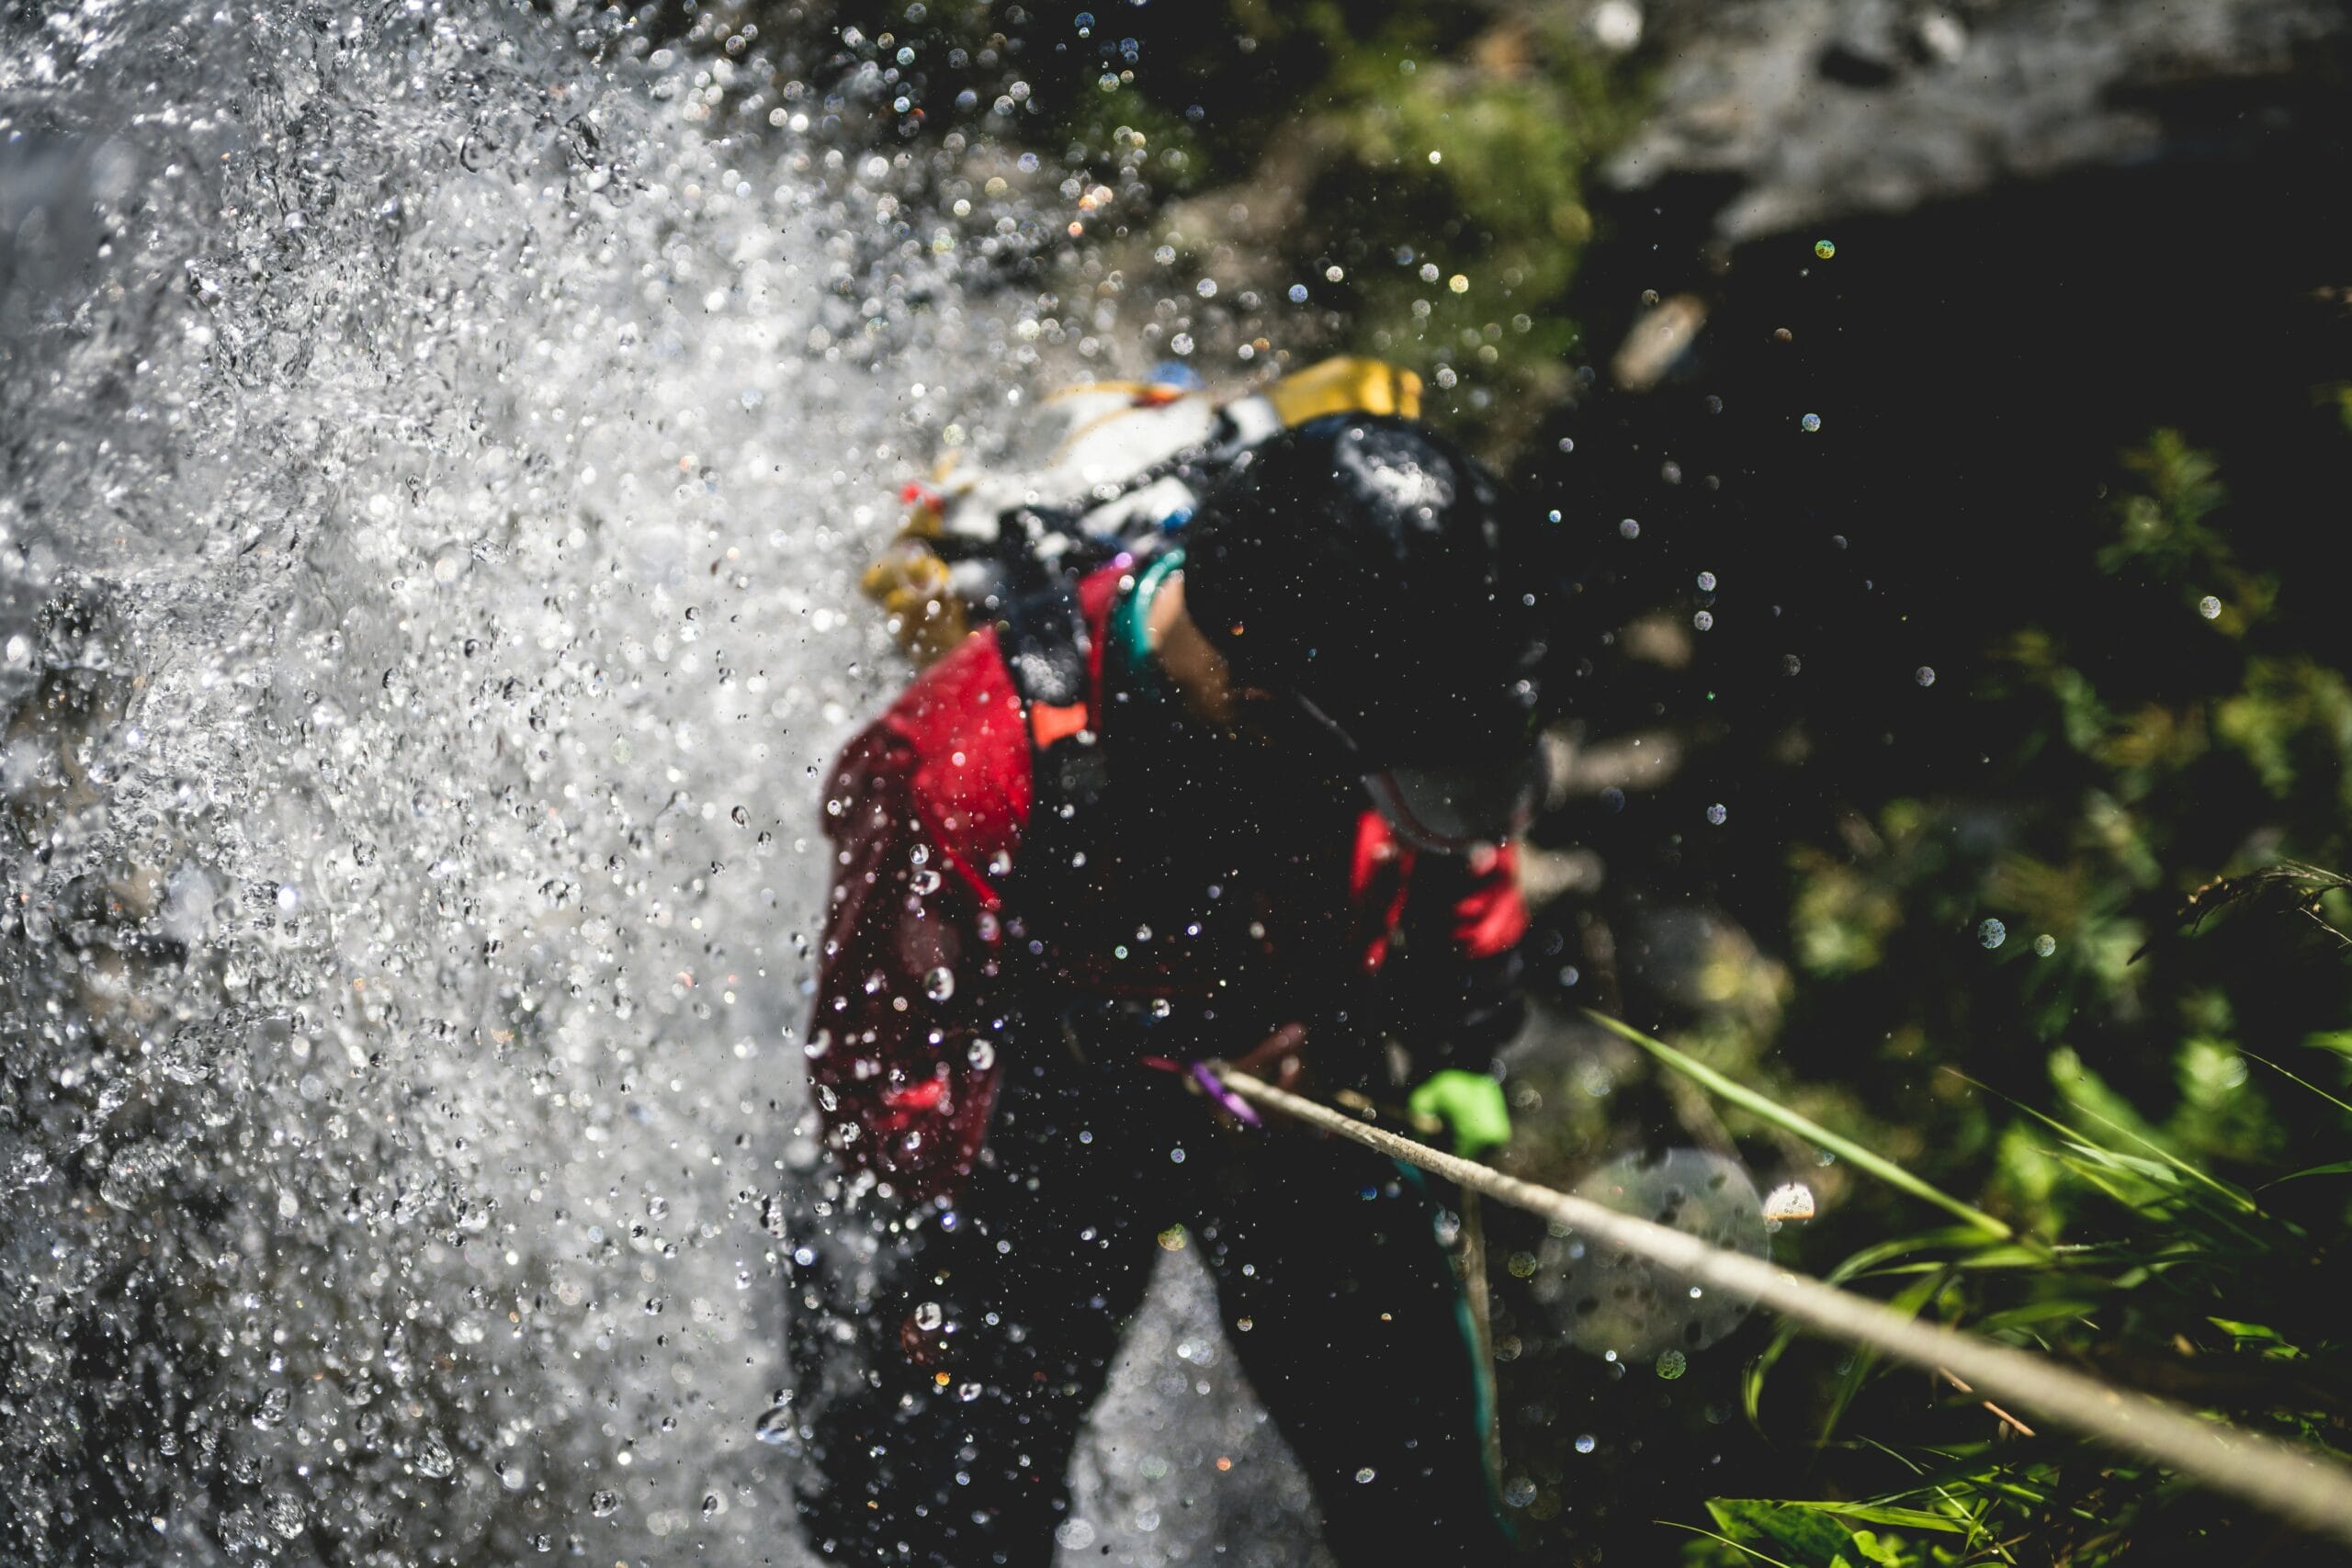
(1239, 1109)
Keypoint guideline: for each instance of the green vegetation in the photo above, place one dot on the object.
(2147, 1077)
(1418, 169)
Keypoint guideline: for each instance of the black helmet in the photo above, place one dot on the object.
(1374, 572)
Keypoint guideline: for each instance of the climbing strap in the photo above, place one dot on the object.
(2313, 1490)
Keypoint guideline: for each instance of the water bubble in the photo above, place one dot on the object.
(1669, 1364)
(603, 1505)
(1789, 1200)
(1520, 1492)
(1992, 933)
(433, 1458)
(1705, 620)
(2045, 945)
(1629, 529)
(1619, 1303)
(1824, 248)
(1706, 583)
(929, 1316)
(774, 1426)
(1363, 1476)
(1585, 1443)
(940, 984)
(1718, 814)
(1809, 424)
(1925, 675)
(2209, 607)
(1297, 296)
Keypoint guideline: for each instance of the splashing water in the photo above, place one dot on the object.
(434, 465)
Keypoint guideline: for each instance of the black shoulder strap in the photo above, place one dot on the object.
(1043, 637)
(1045, 645)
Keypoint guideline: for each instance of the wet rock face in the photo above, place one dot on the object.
(1820, 108)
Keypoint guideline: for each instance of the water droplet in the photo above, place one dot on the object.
(1824, 248)
(776, 1426)
(1810, 424)
(433, 1458)
(1585, 1443)
(982, 1055)
(1718, 814)
(604, 1505)
(929, 1316)
(1363, 1476)
(1705, 620)
(1629, 529)
(2209, 607)
(1925, 675)
(1670, 1364)
(1789, 1200)
(1520, 1492)
(1706, 583)
(2045, 945)
(940, 984)
(1992, 933)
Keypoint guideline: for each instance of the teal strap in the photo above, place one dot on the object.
(1131, 626)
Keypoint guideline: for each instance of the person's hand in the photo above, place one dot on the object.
(1471, 1107)
(1277, 1060)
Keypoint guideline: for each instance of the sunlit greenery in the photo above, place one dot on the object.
(2147, 1077)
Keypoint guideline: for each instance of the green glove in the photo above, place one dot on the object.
(1471, 1107)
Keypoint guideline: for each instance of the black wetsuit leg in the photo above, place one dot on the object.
(1348, 1318)
(962, 1463)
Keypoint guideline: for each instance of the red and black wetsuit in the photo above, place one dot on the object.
(1033, 900)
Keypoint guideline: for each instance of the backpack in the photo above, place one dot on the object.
(1127, 465)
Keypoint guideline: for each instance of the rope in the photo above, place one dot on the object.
(2312, 1490)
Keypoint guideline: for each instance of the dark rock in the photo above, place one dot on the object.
(1807, 111)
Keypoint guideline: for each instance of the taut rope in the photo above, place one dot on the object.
(2313, 1490)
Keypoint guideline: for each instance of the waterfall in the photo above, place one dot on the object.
(434, 461)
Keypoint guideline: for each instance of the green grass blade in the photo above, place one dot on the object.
(1736, 1546)
(1880, 1514)
(1780, 1116)
(2291, 1078)
(2341, 1167)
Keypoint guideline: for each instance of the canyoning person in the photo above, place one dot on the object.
(1249, 802)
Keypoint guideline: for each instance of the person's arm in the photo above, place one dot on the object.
(1457, 998)
(1456, 988)
(898, 1068)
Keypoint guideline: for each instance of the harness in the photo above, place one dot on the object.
(1055, 960)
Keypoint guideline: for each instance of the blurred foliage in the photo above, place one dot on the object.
(2142, 1066)
(1402, 180)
